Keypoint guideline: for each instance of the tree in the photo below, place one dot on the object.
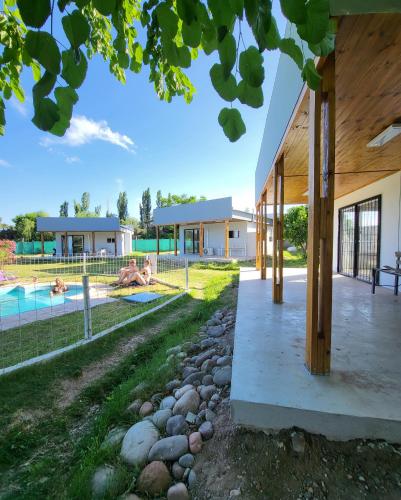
(85, 202)
(165, 35)
(7, 249)
(177, 199)
(159, 199)
(122, 206)
(296, 227)
(25, 226)
(82, 209)
(145, 211)
(64, 209)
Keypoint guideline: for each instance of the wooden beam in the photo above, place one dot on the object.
(42, 240)
(201, 238)
(115, 243)
(227, 240)
(157, 241)
(263, 236)
(93, 243)
(258, 236)
(175, 239)
(65, 245)
(320, 223)
(278, 237)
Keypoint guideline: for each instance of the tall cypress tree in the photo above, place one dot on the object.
(145, 211)
(64, 209)
(122, 206)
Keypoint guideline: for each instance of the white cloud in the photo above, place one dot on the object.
(84, 130)
(119, 182)
(72, 159)
(21, 107)
(5, 163)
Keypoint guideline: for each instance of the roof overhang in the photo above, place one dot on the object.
(74, 224)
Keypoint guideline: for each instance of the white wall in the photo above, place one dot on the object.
(124, 242)
(389, 189)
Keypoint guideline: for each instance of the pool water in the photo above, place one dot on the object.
(19, 299)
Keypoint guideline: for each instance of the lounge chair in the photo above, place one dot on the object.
(6, 277)
(394, 271)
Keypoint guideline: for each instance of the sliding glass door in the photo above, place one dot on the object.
(359, 238)
(191, 241)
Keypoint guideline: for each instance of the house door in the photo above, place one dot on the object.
(75, 244)
(359, 239)
(191, 239)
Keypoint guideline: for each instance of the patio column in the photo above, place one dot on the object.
(42, 241)
(201, 238)
(320, 222)
(263, 236)
(175, 239)
(115, 244)
(93, 243)
(157, 241)
(65, 245)
(226, 240)
(258, 236)
(278, 238)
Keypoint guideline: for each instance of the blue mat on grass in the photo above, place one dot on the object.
(143, 297)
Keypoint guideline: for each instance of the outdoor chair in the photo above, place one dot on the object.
(394, 271)
(6, 277)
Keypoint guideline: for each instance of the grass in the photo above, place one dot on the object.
(46, 452)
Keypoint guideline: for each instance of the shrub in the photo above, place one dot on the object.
(7, 249)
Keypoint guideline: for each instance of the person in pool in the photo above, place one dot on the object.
(59, 287)
(143, 276)
(126, 272)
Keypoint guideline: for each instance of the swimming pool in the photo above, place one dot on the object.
(23, 298)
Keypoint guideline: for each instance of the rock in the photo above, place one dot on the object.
(212, 405)
(177, 470)
(193, 348)
(176, 425)
(114, 437)
(190, 417)
(222, 376)
(178, 492)
(146, 409)
(138, 441)
(224, 361)
(193, 377)
(154, 479)
(167, 403)
(235, 493)
(188, 402)
(180, 392)
(204, 356)
(207, 391)
(216, 331)
(298, 442)
(160, 418)
(170, 448)
(202, 414)
(139, 389)
(195, 443)
(215, 397)
(210, 416)
(103, 481)
(206, 343)
(156, 398)
(192, 479)
(188, 370)
(186, 460)
(208, 365)
(174, 350)
(135, 406)
(206, 430)
(202, 406)
(207, 380)
(173, 384)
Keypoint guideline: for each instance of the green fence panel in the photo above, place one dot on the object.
(34, 247)
(165, 244)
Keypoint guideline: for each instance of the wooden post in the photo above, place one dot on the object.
(258, 236)
(42, 240)
(278, 238)
(227, 241)
(175, 239)
(201, 238)
(263, 236)
(157, 241)
(115, 243)
(65, 245)
(320, 223)
(93, 243)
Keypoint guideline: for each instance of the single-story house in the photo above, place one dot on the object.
(89, 235)
(211, 228)
(314, 348)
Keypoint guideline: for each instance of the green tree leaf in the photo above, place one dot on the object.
(76, 28)
(251, 96)
(237, 6)
(272, 39)
(105, 7)
(227, 52)
(222, 12)
(294, 10)
(34, 12)
(209, 38)
(327, 45)
(251, 11)
(225, 87)
(231, 122)
(137, 58)
(168, 20)
(44, 86)
(262, 22)
(66, 97)
(75, 66)
(251, 67)
(289, 47)
(46, 114)
(184, 57)
(191, 34)
(187, 10)
(317, 21)
(43, 47)
(310, 75)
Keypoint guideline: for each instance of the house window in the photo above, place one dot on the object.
(111, 240)
(233, 234)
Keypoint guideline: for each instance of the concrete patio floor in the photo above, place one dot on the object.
(271, 388)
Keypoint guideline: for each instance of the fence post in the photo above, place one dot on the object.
(84, 262)
(186, 275)
(87, 308)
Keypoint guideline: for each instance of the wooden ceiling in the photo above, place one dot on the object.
(368, 99)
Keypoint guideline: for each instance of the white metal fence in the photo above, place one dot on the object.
(36, 323)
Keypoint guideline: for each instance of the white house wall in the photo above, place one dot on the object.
(124, 242)
(389, 189)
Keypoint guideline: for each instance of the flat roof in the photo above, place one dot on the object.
(96, 224)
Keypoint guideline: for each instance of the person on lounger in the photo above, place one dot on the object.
(59, 287)
(143, 276)
(126, 272)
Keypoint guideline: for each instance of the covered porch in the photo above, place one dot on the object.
(273, 389)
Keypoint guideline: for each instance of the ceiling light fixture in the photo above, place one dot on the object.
(385, 136)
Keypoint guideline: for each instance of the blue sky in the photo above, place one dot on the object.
(124, 138)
